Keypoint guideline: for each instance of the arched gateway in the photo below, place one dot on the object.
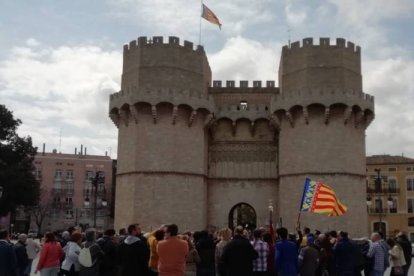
(242, 214)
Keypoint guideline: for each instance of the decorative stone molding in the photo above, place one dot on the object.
(174, 114)
(154, 113)
(327, 113)
(191, 119)
(115, 118)
(347, 114)
(306, 114)
(134, 112)
(124, 116)
(290, 118)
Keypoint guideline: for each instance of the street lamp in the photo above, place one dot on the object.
(1, 191)
(378, 189)
(270, 207)
(98, 179)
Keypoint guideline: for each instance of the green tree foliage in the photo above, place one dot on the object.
(20, 186)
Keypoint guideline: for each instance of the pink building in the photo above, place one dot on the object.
(70, 184)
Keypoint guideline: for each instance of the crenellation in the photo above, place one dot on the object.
(188, 44)
(132, 44)
(142, 40)
(340, 42)
(257, 84)
(324, 41)
(173, 40)
(307, 42)
(350, 46)
(217, 83)
(244, 83)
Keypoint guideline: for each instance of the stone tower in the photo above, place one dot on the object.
(199, 154)
(323, 115)
(162, 146)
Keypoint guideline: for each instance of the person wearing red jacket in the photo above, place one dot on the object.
(50, 256)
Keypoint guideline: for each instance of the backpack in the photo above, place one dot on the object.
(85, 257)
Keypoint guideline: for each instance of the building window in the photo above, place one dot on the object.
(88, 175)
(392, 185)
(69, 214)
(410, 184)
(392, 169)
(58, 174)
(69, 174)
(411, 221)
(409, 169)
(68, 201)
(378, 205)
(410, 205)
(58, 163)
(393, 207)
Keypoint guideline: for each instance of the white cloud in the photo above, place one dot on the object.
(62, 88)
(244, 59)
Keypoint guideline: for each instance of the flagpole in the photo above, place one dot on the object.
(199, 34)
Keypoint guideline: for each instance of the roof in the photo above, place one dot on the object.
(388, 159)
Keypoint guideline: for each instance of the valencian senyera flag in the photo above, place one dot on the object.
(208, 15)
(320, 198)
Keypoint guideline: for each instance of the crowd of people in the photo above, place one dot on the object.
(241, 252)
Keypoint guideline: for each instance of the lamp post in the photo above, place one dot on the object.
(378, 189)
(98, 179)
(1, 191)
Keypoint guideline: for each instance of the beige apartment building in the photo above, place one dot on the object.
(390, 194)
(67, 183)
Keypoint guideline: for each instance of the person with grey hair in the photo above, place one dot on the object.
(21, 255)
(96, 254)
(32, 248)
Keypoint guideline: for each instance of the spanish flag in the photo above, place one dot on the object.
(208, 15)
(320, 198)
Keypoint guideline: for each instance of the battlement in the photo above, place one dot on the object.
(243, 84)
(157, 41)
(324, 42)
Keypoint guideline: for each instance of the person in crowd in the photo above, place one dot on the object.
(70, 265)
(333, 235)
(206, 249)
(153, 239)
(397, 259)
(122, 234)
(262, 249)
(405, 244)
(326, 255)
(50, 256)
(224, 236)
(286, 255)
(344, 252)
(192, 258)
(21, 255)
(308, 260)
(379, 252)
(238, 255)
(172, 253)
(108, 266)
(32, 248)
(65, 237)
(271, 270)
(133, 256)
(7, 255)
(96, 254)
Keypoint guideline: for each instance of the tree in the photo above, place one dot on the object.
(41, 210)
(17, 178)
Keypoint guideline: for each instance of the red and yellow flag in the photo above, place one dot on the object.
(320, 198)
(208, 15)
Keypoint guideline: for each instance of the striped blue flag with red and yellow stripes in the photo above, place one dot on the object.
(320, 198)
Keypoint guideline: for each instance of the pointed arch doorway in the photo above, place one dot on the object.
(242, 214)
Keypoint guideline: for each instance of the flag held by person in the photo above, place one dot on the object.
(208, 15)
(320, 198)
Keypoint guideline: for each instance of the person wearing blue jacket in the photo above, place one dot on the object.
(286, 258)
(7, 255)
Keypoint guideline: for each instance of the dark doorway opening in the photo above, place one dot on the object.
(242, 214)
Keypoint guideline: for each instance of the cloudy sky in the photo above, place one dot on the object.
(60, 60)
